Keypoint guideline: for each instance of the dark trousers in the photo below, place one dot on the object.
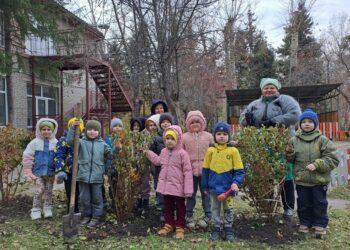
(312, 205)
(287, 195)
(68, 188)
(159, 196)
(172, 203)
(91, 199)
(191, 201)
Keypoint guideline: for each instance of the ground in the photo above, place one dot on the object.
(17, 231)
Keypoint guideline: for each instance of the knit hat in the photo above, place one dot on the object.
(81, 125)
(166, 116)
(310, 114)
(153, 118)
(195, 115)
(171, 133)
(222, 127)
(115, 122)
(47, 124)
(93, 124)
(155, 103)
(270, 81)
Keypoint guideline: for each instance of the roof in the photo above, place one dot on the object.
(303, 94)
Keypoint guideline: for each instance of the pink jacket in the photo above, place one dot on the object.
(196, 144)
(175, 177)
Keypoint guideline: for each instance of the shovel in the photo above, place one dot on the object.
(71, 221)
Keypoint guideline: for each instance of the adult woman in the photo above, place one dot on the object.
(270, 109)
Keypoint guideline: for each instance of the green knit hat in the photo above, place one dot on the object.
(93, 124)
(268, 81)
(47, 124)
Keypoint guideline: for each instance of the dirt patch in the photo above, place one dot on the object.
(18, 207)
(272, 233)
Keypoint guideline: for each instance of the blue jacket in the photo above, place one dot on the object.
(63, 155)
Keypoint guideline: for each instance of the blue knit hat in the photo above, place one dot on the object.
(222, 127)
(310, 114)
(115, 122)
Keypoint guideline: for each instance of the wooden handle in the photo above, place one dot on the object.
(75, 167)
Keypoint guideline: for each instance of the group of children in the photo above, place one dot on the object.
(181, 163)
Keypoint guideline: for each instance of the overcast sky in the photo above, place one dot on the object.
(272, 16)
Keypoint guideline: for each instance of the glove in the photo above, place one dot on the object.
(249, 117)
(61, 176)
(29, 173)
(268, 123)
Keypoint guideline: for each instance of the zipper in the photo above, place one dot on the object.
(92, 157)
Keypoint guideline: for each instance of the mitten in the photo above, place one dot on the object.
(249, 117)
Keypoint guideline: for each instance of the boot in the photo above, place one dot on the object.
(204, 222)
(35, 213)
(145, 207)
(215, 234)
(138, 207)
(180, 233)
(166, 230)
(84, 221)
(303, 229)
(320, 231)
(93, 222)
(47, 211)
(190, 223)
(229, 234)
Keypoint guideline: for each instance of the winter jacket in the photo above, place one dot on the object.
(63, 159)
(283, 109)
(39, 154)
(222, 167)
(315, 148)
(175, 177)
(196, 144)
(91, 159)
(158, 142)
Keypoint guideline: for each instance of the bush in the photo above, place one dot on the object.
(262, 154)
(12, 143)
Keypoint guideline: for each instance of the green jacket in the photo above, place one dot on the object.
(313, 148)
(91, 158)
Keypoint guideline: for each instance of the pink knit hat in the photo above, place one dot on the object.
(195, 115)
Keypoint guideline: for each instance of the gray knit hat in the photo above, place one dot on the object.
(93, 124)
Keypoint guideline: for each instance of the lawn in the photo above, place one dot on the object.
(17, 231)
(340, 192)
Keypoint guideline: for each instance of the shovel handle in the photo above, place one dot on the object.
(75, 168)
(223, 196)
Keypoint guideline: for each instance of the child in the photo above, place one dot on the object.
(175, 181)
(64, 162)
(39, 166)
(314, 156)
(196, 142)
(165, 121)
(158, 107)
(93, 152)
(137, 124)
(222, 170)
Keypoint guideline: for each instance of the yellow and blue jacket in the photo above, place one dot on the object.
(222, 166)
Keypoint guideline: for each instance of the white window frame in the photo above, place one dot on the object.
(6, 103)
(39, 47)
(2, 29)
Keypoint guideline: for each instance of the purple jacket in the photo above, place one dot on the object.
(175, 177)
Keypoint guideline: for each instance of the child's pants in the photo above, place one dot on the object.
(159, 196)
(287, 195)
(91, 200)
(172, 203)
(312, 205)
(145, 187)
(43, 187)
(216, 208)
(191, 201)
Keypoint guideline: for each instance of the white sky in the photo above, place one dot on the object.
(272, 16)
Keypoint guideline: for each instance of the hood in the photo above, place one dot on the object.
(140, 120)
(196, 115)
(178, 131)
(37, 128)
(308, 136)
(155, 103)
(154, 118)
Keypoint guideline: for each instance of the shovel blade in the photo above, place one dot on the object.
(71, 223)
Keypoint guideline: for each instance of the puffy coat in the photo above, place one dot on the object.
(196, 144)
(175, 177)
(313, 148)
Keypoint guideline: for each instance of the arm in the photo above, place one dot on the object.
(153, 157)
(188, 174)
(70, 137)
(248, 113)
(291, 111)
(238, 172)
(329, 159)
(28, 160)
(108, 152)
(60, 155)
(205, 171)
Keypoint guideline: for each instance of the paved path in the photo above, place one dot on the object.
(339, 204)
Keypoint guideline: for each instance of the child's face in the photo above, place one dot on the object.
(307, 125)
(92, 133)
(170, 142)
(221, 137)
(195, 126)
(136, 127)
(46, 132)
(117, 129)
(159, 109)
(165, 124)
(152, 127)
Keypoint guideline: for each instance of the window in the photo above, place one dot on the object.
(45, 102)
(2, 29)
(39, 47)
(3, 102)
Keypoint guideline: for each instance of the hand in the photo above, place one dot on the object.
(206, 192)
(29, 174)
(249, 117)
(75, 123)
(32, 177)
(268, 123)
(61, 176)
(311, 167)
(289, 147)
(234, 187)
(118, 145)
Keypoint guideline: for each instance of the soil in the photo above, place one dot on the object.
(18, 207)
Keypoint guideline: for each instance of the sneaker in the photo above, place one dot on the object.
(288, 212)
(85, 221)
(229, 235)
(204, 222)
(47, 212)
(190, 223)
(320, 231)
(303, 229)
(180, 233)
(215, 234)
(93, 222)
(166, 230)
(35, 213)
